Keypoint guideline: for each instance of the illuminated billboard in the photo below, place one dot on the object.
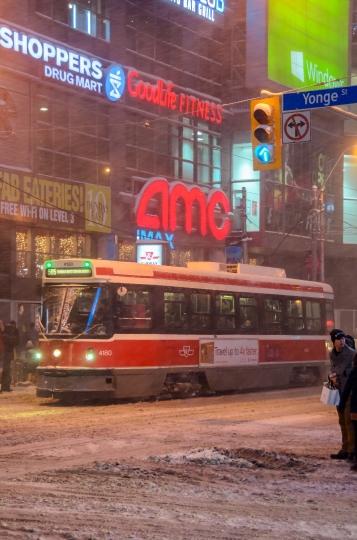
(308, 43)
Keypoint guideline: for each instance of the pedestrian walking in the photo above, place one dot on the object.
(341, 364)
(11, 340)
(351, 390)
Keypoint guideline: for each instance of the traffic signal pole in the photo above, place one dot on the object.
(314, 233)
(244, 225)
(322, 234)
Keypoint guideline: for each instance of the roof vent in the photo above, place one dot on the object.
(207, 266)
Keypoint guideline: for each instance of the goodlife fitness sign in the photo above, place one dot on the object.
(212, 206)
(76, 69)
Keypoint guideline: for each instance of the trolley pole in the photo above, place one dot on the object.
(322, 235)
(314, 233)
(244, 225)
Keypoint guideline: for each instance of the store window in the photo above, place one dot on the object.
(34, 247)
(88, 16)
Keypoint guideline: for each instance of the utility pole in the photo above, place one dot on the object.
(314, 233)
(322, 234)
(243, 214)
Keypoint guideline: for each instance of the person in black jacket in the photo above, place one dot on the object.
(11, 340)
(351, 388)
(341, 365)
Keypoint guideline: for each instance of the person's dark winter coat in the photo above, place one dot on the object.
(341, 364)
(349, 389)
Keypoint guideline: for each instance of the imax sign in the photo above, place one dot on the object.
(65, 65)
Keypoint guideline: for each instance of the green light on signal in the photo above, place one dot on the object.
(38, 356)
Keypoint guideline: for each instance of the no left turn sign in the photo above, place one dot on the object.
(296, 127)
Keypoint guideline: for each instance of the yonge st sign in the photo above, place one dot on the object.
(212, 206)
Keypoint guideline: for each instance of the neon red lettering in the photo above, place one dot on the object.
(132, 89)
(149, 92)
(189, 196)
(218, 198)
(182, 101)
(213, 111)
(151, 188)
(209, 210)
(141, 90)
(219, 116)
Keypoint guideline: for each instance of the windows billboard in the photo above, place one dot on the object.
(308, 43)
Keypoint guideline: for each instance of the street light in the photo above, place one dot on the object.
(320, 195)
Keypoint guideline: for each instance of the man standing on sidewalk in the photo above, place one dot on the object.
(11, 340)
(341, 365)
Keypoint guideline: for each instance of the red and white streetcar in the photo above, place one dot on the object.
(127, 330)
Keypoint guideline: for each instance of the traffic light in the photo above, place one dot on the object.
(265, 125)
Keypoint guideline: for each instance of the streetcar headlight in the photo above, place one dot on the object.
(90, 354)
(38, 355)
(56, 353)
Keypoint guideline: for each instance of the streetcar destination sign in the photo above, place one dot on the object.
(318, 99)
(68, 272)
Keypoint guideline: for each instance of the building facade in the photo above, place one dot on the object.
(125, 129)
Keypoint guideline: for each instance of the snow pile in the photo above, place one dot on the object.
(210, 456)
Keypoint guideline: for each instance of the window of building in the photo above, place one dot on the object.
(88, 16)
(35, 246)
(72, 141)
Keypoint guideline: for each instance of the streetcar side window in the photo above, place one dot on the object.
(224, 311)
(313, 316)
(175, 310)
(201, 311)
(248, 315)
(133, 309)
(272, 315)
(295, 319)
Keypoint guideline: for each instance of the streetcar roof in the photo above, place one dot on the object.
(197, 274)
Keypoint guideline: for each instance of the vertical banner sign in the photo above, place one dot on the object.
(97, 208)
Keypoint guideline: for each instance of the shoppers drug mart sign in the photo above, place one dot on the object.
(67, 66)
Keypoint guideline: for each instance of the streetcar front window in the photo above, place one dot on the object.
(76, 310)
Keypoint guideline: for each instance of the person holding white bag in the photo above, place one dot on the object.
(351, 389)
(341, 364)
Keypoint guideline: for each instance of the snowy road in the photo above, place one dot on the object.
(228, 467)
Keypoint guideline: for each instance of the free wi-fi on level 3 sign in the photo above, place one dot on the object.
(296, 127)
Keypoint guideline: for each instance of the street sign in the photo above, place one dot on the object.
(318, 99)
(296, 127)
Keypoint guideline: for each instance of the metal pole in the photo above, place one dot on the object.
(322, 235)
(314, 233)
(244, 225)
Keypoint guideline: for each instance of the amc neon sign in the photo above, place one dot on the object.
(163, 94)
(210, 205)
